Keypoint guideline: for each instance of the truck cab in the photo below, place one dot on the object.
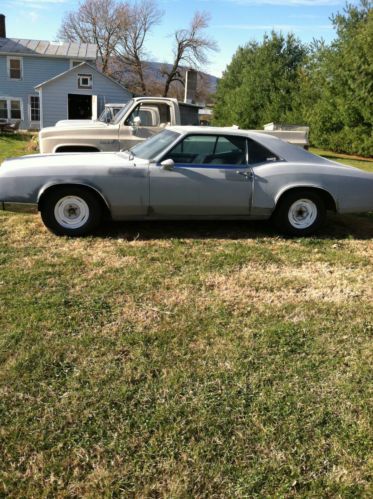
(107, 116)
(139, 119)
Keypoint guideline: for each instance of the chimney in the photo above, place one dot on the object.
(190, 86)
(2, 26)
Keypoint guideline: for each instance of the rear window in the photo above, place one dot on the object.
(259, 153)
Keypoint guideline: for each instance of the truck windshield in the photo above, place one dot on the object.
(151, 148)
(119, 116)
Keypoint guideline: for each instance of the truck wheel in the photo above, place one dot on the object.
(71, 211)
(300, 213)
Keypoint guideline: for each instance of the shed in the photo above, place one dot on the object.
(79, 93)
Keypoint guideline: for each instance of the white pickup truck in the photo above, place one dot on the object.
(138, 120)
(107, 116)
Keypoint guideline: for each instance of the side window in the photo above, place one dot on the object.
(230, 150)
(194, 149)
(15, 110)
(149, 114)
(132, 116)
(226, 150)
(84, 81)
(15, 68)
(164, 113)
(11, 108)
(146, 117)
(3, 109)
(34, 106)
(259, 153)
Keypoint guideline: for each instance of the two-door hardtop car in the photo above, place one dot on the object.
(186, 173)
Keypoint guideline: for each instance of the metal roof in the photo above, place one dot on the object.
(76, 50)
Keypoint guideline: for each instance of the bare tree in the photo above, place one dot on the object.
(142, 16)
(191, 48)
(204, 91)
(101, 22)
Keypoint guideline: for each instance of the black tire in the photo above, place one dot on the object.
(300, 213)
(55, 211)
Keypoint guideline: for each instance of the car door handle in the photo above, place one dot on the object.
(245, 174)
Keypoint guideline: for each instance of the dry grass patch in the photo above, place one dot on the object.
(185, 360)
(279, 285)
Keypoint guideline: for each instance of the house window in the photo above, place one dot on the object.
(34, 106)
(3, 109)
(15, 68)
(11, 108)
(84, 81)
(74, 64)
(15, 109)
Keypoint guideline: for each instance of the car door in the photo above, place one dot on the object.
(210, 178)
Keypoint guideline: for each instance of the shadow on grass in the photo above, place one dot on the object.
(337, 227)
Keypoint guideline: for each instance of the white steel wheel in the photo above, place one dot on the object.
(71, 212)
(302, 214)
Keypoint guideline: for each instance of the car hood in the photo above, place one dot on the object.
(68, 162)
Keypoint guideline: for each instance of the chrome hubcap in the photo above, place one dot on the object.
(302, 213)
(71, 212)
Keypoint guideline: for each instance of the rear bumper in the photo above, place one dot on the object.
(19, 207)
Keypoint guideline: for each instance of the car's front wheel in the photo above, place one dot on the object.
(300, 213)
(71, 211)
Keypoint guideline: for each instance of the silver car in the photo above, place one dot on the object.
(186, 173)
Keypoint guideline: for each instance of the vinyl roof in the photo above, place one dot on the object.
(44, 48)
(283, 149)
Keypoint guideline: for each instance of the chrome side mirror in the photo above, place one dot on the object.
(168, 164)
(135, 124)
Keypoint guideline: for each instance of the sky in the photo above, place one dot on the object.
(233, 22)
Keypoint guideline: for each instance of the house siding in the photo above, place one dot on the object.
(54, 95)
(35, 71)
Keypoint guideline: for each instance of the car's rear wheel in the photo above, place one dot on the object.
(300, 213)
(71, 211)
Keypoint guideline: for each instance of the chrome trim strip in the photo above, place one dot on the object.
(19, 207)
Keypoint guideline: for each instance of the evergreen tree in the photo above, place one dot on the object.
(261, 82)
(339, 108)
(329, 88)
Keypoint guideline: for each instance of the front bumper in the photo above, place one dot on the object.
(19, 207)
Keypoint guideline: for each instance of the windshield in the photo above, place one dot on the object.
(151, 148)
(121, 113)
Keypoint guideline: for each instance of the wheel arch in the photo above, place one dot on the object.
(84, 147)
(329, 200)
(54, 186)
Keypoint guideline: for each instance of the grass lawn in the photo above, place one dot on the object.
(13, 145)
(362, 163)
(186, 360)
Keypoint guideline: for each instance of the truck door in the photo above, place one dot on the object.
(154, 116)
